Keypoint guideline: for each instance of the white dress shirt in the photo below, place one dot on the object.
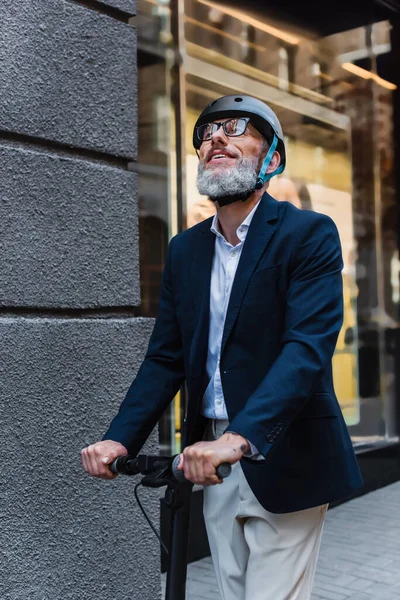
(225, 261)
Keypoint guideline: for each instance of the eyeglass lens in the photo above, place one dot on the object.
(232, 127)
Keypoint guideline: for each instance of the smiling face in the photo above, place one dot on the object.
(229, 166)
(222, 151)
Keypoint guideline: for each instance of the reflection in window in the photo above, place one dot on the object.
(157, 201)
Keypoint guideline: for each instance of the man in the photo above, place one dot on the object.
(250, 310)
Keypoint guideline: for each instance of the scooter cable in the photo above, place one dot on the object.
(135, 491)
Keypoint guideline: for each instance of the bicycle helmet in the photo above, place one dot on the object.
(262, 118)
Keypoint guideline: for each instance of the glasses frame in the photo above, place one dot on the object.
(223, 125)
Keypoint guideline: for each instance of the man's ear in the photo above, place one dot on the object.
(275, 162)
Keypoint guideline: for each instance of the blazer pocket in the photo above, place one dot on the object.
(321, 405)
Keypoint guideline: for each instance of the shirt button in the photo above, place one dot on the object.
(219, 402)
(233, 253)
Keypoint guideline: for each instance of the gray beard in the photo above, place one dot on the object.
(229, 184)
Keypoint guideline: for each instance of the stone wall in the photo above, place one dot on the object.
(69, 284)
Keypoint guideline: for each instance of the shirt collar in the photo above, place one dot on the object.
(241, 231)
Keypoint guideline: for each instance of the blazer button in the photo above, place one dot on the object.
(270, 439)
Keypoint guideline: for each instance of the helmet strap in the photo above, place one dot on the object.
(263, 176)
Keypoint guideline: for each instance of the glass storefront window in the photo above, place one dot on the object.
(336, 111)
(158, 220)
(333, 96)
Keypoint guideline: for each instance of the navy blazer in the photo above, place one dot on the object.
(284, 315)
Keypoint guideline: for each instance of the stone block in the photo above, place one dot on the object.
(68, 75)
(65, 535)
(68, 232)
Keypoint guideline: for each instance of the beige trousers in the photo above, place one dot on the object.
(259, 555)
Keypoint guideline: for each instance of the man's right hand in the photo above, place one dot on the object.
(97, 457)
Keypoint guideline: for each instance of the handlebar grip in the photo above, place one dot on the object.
(114, 466)
(223, 470)
(123, 465)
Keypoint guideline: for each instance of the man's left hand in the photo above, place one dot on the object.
(199, 461)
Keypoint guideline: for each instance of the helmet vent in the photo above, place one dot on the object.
(238, 99)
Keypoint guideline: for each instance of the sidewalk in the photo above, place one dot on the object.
(360, 554)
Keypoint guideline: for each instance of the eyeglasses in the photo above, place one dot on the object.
(231, 128)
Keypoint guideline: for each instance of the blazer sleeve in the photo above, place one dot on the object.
(159, 377)
(313, 318)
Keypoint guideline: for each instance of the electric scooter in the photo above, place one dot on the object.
(160, 471)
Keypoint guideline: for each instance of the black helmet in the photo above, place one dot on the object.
(261, 116)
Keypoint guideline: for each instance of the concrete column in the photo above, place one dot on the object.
(69, 282)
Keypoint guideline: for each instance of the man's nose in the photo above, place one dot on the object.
(219, 137)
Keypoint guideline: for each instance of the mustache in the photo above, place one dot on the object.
(222, 151)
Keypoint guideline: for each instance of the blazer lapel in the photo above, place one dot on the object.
(200, 275)
(261, 230)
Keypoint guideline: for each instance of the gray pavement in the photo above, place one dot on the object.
(359, 558)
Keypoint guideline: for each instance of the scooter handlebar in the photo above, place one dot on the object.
(223, 470)
(128, 465)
